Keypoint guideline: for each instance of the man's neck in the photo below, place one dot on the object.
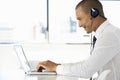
(97, 22)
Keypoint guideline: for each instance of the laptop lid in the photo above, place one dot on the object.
(22, 58)
(24, 61)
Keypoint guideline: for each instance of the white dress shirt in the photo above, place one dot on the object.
(105, 55)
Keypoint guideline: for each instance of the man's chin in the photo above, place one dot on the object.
(88, 32)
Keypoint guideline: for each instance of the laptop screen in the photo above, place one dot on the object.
(22, 57)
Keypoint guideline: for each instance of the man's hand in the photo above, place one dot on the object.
(48, 65)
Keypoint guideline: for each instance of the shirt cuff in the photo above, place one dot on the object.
(59, 69)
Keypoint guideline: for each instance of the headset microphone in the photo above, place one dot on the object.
(94, 13)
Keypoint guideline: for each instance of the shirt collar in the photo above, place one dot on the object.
(101, 28)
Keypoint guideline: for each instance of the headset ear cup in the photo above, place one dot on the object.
(94, 12)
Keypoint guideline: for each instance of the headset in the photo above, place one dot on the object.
(94, 12)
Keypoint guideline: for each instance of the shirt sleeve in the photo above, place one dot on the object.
(105, 49)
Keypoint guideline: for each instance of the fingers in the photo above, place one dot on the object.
(42, 65)
(48, 65)
(40, 69)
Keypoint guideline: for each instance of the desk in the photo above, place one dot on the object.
(20, 75)
(9, 60)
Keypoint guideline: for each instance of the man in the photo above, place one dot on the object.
(106, 51)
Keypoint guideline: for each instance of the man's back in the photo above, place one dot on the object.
(109, 43)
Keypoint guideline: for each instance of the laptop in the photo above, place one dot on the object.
(25, 63)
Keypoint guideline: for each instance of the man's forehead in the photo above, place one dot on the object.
(80, 11)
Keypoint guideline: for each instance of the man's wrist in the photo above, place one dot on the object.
(56, 67)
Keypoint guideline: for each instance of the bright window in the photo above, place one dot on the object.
(23, 20)
(26, 21)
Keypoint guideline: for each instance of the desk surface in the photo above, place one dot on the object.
(20, 75)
